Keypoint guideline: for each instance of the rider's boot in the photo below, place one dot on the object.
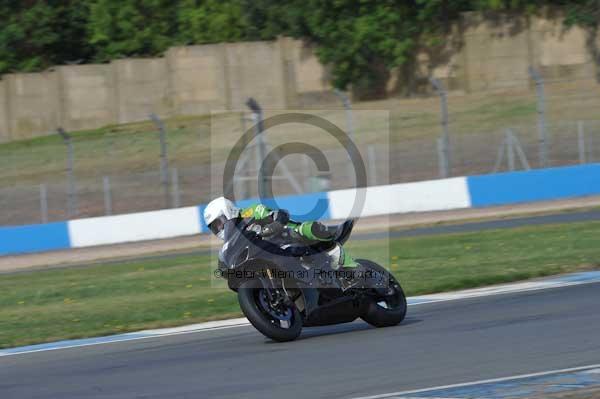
(352, 273)
(355, 275)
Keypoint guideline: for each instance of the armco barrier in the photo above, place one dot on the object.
(454, 193)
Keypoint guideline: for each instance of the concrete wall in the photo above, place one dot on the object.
(497, 52)
(306, 80)
(198, 79)
(142, 88)
(560, 53)
(33, 104)
(480, 54)
(89, 96)
(256, 70)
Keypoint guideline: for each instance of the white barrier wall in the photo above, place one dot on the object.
(433, 195)
(134, 227)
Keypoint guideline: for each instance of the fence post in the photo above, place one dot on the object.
(510, 152)
(590, 146)
(164, 156)
(349, 122)
(71, 191)
(176, 200)
(442, 164)
(107, 195)
(44, 203)
(581, 141)
(516, 145)
(372, 164)
(246, 184)
(541, 111)
(444, 142)
(261, 150)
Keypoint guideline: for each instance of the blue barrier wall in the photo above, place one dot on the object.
(534, 185)
(486, 190)
(34, 238)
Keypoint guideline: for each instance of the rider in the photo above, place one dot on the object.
(269, 223)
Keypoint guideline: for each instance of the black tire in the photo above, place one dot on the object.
(247, 297)
(378, 316)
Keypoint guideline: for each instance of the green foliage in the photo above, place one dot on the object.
(361, 39)
(37, 34)
(583, 12)
(211, 21)
(120, 28)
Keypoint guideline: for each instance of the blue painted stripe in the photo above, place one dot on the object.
(74, 343)
(203, 226)
(34, 238)
(527, 387)
(580, 277)
(534, 185)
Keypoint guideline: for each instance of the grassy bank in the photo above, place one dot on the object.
(134, 147)
(108, 299)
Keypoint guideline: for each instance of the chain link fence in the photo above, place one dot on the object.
(124, 169)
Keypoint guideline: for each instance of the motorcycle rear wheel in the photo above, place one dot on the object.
(281, 326)
(388, 310)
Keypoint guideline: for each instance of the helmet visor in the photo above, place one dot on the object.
(217, 225)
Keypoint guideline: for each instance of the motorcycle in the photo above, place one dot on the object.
(283, 285)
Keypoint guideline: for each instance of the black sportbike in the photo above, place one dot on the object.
(284, 285)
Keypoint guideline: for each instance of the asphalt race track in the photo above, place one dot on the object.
(438, 344)
(469, 227)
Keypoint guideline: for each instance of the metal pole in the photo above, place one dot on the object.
(349, 123)
(590, 145)
(445, 139)
(443, 166)
(500, 156)
(516, 144)
(581, 141)
(257, 115)
(44, 203)
(176, 202)
(510, 153)
(71, 173)
(164, 158)
(372, 164)
(541, 111)
(71, 190)
(107, 195)
(246, 184)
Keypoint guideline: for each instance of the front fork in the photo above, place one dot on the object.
(277, 295)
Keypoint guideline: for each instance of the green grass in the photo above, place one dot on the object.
(50, 305)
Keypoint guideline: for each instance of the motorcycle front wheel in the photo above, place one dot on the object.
(387, 309)
(279, 322)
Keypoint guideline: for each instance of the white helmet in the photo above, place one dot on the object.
(217, 212)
